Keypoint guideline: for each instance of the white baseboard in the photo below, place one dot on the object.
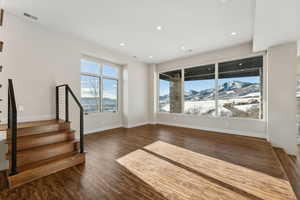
(102, 129)
(113, 127)
(226, 131)
(136, 125)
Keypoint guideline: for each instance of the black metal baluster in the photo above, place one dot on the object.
(8, 110)
(81, 132)
(57, 102)
(67, 103)
(12, 118)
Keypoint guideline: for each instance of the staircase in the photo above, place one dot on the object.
(40, 148)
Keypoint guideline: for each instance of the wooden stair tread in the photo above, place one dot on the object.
(39, 140)
(40, 128)
(45, 169)
(33, 124)
(291, 168)
(46, 134)
(38, 149)
(46, 161)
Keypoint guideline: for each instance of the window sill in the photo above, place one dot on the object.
(211, 117)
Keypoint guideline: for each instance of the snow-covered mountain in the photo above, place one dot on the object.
(231, 89)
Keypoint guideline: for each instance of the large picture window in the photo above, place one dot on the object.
(240, 88)
(99, 87)
(227, 89)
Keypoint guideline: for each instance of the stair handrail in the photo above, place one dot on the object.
(68, 91)
(12, 125)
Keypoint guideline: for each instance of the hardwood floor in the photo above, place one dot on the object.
(102, 177)
(291, 167)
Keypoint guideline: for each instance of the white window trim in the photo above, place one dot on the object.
(101, 63)
(216, 62)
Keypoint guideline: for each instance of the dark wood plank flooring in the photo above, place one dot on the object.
(103, 178)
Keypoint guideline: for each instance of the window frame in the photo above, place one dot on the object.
(100, 95)
(101, 76)
(216, 63)
(216, 85)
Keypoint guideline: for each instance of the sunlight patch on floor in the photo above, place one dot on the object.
(171, 181)
(253, 182)
(201, 176)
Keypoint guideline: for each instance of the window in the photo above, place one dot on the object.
(90, 67)
(227, 89)
(199, 90)
(240, 88)
(110, 71)
(110, 95)
(90, 93)
(170, 92)
(99, 87)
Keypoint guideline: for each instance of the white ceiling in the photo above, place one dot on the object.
(200, 25)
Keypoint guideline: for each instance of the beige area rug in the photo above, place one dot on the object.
(253, 182)
(173, 182)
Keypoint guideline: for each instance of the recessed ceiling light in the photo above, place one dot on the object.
(122, 44)
(159, 28)
(234, 33)
(150, 57)
(223, 1)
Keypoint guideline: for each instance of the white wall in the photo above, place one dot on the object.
(38, 58)
(136, 100)
(248, 127)
(152, 77)
(282, 65)
(298, 47)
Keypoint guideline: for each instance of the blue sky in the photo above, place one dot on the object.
(94, 68)
(204, 84)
